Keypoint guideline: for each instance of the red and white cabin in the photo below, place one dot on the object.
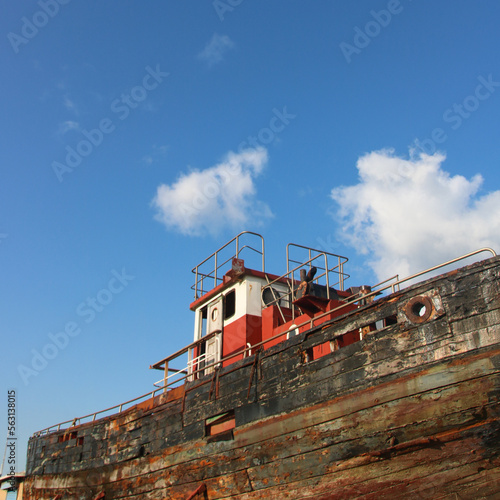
(247, 309)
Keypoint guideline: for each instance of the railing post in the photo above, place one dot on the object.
(215, 273)
(165, 377)
(341, 274)
(263, 256)
(327, 271)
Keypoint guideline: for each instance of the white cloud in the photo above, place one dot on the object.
(408, 215)
(66, 126)
(224, 195)
(215, 50)
(69, 104)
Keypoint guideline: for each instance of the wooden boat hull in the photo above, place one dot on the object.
(412, 410)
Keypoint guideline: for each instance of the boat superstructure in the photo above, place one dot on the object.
(243, 309)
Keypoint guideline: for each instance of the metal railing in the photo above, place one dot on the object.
(91, 417)
(195, 364)
(337, 269)
(209, 268)
(164, 363)
(395, 286)
(317, 259)
(448, 263)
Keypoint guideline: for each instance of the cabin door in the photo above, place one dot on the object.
(214, 326)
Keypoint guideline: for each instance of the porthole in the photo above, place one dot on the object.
(215, 314)
(419, 309)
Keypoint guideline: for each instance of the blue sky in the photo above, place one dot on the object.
(136, 138)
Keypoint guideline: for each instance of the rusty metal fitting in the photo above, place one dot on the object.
(419, 309)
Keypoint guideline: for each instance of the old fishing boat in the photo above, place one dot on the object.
(298, 387)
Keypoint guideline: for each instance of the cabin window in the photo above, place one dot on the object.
(229, 304)
(203, 322)
(221, 425)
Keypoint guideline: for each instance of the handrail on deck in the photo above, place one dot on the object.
(311, 322)
(449, 262)
(289, 277)
(341, 260)
(212, 273)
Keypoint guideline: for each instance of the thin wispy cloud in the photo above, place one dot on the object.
(156, 154)
(216, 49)
(70, 104)
(206, 201)
(67, 126)
(407, 215)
